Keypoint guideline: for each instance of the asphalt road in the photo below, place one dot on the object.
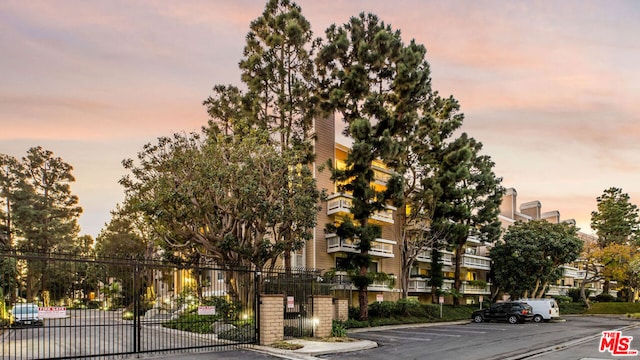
(493, 341)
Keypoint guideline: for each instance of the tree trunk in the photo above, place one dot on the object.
(363, 296)
(456, 280)
(406, 270)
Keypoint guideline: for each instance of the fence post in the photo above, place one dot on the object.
(271, 318)
(257, 304)
(322, 315)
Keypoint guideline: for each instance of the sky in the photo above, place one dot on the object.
(549, 87)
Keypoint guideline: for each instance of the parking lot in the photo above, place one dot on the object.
(491, 340)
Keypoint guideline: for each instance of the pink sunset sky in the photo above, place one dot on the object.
(549, 87)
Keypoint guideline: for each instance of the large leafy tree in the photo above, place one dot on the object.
(278, 71)
(375, 82)
(616, 221)
(224, 197)
(531, 256)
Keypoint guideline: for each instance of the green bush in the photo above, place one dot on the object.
(382, 309)
(242, 334)
(338, 329)
(571, 308)
(614, 308)
(406, 307)
(561, 299)
(200, 324)
(605, 298)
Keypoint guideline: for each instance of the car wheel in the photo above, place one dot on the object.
(478, 319)
(512, 319)
(537, 318)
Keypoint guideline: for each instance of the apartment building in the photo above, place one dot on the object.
(327, 251)
(574, 273)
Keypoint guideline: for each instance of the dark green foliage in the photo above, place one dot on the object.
(338, 329)
(613, 308)
(382, 309)
(531, 256)
(243, 334)
(227, 310)
(572, 308)
(616, 221)
(407, 312)
(605, 298)
(564, 299)
(201, 324)
(574, 294)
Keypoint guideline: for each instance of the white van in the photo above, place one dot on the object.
(26, 314)
(543, 309)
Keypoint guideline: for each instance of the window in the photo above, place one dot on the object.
(373, 267)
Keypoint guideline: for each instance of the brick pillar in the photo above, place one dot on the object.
(341, 309)
(271, 319)
(323, 312)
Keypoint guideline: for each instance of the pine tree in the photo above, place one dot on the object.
(375, 82)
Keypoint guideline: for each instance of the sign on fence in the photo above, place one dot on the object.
(290, 302)
(206, 310)
(52, 312)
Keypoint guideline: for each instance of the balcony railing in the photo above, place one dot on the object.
(341, 204)
(476, 262)
(422, 285)
(425, 256)
(379, 247)
(473, 289)
(343, 281)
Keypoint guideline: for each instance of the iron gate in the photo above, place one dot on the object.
(92, 308)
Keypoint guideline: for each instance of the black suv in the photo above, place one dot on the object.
(512, 312)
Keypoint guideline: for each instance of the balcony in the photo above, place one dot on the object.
(425, 256)
(342, 281)
(476, 262)
(421, 285)
(572, 272)
(379, 247)
(471, 289)
(341, 204)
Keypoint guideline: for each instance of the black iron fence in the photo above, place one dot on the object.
(298, 287)
(92, 308)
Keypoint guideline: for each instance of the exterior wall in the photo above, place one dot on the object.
(532, 209)
(316, 249)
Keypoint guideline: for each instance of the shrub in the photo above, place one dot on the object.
(561, 299)
(406, 307)
(605, 298)
(613, 308)
(574, 293)
(242, 334)
(571, 308)
(384, 309)
(338, 329)
(200, 324)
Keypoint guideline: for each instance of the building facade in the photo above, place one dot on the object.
(327, 252)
